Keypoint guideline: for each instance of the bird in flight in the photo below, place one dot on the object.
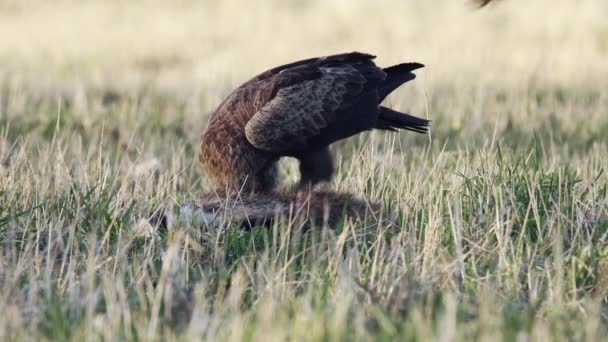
(482, 3)
(298, 110)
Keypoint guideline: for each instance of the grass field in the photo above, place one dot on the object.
(504, 206)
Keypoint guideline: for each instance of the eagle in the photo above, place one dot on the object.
(298, 110)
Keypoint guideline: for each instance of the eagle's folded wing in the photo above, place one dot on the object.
(299, 111)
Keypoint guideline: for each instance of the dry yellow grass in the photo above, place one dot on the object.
(504, 205)
(187, 41)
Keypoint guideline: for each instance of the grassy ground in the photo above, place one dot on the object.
(504, 207)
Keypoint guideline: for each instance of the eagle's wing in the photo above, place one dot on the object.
(299, 111)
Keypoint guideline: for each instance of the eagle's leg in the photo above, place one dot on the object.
(267, 178)
(315, 167)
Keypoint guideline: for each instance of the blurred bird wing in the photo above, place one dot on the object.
(481, 3)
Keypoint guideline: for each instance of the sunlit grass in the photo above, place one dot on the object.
(503, 209)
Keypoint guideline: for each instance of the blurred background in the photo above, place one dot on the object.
(191, 46)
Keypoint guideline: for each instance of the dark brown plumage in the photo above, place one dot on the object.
(298, 110)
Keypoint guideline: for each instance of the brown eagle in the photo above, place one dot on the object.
(298, 110)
